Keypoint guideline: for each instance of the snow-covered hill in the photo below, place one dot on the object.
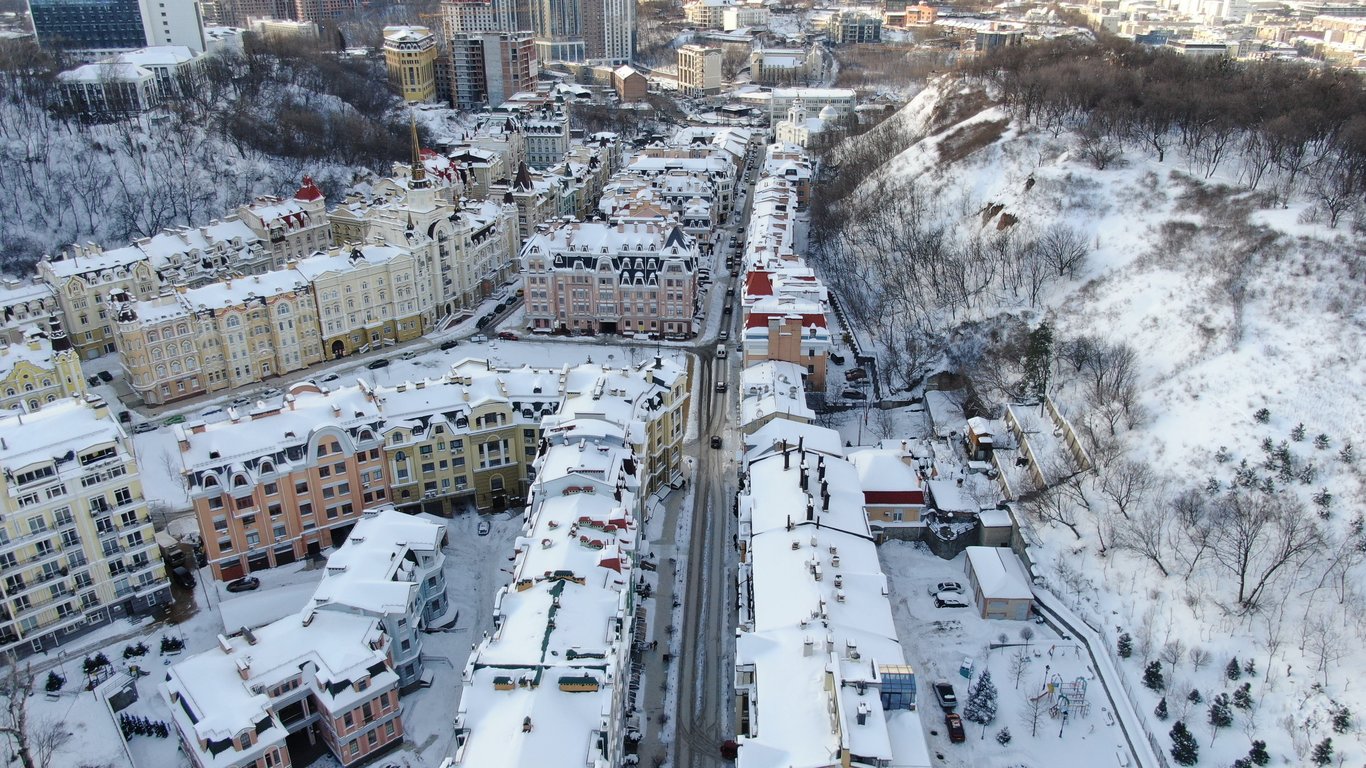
(1243, 325)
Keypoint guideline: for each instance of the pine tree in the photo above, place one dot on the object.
(1342, 720)
(1220, 716)
(1152, 676)
(1242, 697)
(1321, 442)
(1297, 433)
(981, 706)
(1038, 360)
(1184, 749)
(1323, 752)
(1125, 646)
(1195, 697)
(1258, 754)
(1003, 736)
(54, 682)
(1161, 712)
(1250, 667)
(1234, 670)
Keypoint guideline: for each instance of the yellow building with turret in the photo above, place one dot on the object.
(410, 56)
(39, 368)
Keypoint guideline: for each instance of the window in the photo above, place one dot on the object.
(271, 488)
(123, 496)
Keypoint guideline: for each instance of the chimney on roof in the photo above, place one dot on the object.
(787, 462)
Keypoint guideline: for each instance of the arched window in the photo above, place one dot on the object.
(28, 387)
(156, 353)
(33, 405)
(234, 322)
(175, 366)
(51, 398)
(47, 382)
(210, 481)
(9, 392)
(161, 371)
(153, 336)
(283, 309)
(187, 348)
(400, 456)
(181, 329)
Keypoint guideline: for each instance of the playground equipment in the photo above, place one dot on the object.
(1065, 699)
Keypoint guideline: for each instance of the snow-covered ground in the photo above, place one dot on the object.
(1163, 246)
(938, 640)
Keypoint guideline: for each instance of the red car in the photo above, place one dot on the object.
(955, 726)
(507, 336)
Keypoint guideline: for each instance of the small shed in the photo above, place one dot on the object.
(999, 583)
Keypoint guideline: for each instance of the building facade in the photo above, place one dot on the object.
(219, 336)
(77, 547)
(699, 70)
(83, 278)
(410, 56)
(38, 367)
(370, 296)
(285, 481)
(94, 29)
(293, 229)
(632, 277)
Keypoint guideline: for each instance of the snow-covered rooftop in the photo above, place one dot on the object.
(1000, 574)
(57, 432)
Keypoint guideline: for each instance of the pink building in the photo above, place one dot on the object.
(637, 276)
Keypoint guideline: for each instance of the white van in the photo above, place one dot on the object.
(720, 350)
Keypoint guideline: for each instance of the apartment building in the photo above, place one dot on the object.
(785, 66)
(216, 337)
(76, 540)
(326, 675)
(632, 277)
(390, 569)
(461, 16)
(706, 13)
(550, 684)
(807, 558)
(293, 229)
(489, 67)
(283, 481)
(609, 31)
(26, 302)
(370, 296)
(410, 57)
(38, 367)
(276, 482)
(82, 279)
(699, 70)
(850, 26)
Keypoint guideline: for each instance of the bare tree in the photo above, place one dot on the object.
(1200, 658)
(1019, 664)
(1147, 533)
(1064, 249)
(1051, 505)
(1190, 510)
(1126, 483)
(1032, 709)
(47, 739)
(15, 687)
(1325, 644)
(1172, 653)
(1258, 538)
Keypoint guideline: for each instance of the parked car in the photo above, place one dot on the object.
(270, 392)
(507, 336)
(855, 374)
(946, 586)
(244, 584)
(949, 600)
(836, 359)
(182, 576)
(955, 725)
(716, 441)
(331, 377)
(725, 336)
(854, 394)
(726, 310)
(125, 417)
(105, 376)
(483, 528)
(730, 292)
(238, 402)
(93, 381)
(144, 427)
(445, 345)
(408, 355)
(943, 691)
(479, 338)
(375, 365)
(176, 419)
